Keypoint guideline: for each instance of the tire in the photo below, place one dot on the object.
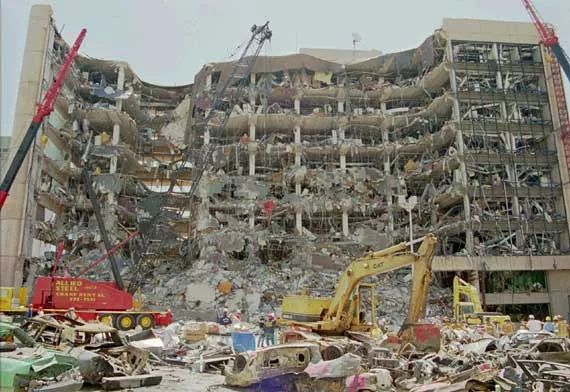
(124, 322)
(106, 318)
(145, 320)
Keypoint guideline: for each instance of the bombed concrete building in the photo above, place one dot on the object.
(317, 158)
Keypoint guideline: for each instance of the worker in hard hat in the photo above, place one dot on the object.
(548, 325)
(269, 330)
(533, 325)
(560, 326)
(225, 319)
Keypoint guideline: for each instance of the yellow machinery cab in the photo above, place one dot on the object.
(13, 299)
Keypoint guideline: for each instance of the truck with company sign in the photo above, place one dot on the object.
(90, 300)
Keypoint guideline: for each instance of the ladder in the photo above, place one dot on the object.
(562, 106)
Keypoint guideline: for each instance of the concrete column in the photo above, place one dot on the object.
(299, 209)
(297, 133)
(560, 172)
(207, 136)
(120, 85)
(18, 214)
(343, 149)
(299, 221)
(499, 81)
(115, 141)
(559, 292)
(297, 105)
(387, 181)
(345, 222)
(460, 149)
(341, 106)
(251, 153)
(252, 78)
(251, 219)
(208, 82)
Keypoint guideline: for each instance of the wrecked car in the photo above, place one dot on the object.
(253, 367)
(522, 337)
(27, 366)
(101, 351)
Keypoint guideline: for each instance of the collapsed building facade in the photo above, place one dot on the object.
(319, 161)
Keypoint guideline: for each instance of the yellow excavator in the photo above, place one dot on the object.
(346, 310)
(471, 311)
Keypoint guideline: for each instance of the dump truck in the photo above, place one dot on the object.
(467, 308)
(346, 311)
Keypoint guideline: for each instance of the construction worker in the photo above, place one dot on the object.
(560, 326)
(236, 317)
(269, 330)
(262, 336)
(224, 319)
(41, 312)
(548, 325)
(533, 325)
(29, 312)
(71, 314)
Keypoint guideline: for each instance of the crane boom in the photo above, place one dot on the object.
(240, 71)
(548, 37)
(45, 107)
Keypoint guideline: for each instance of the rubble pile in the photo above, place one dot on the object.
(256, 289)
(469, 360)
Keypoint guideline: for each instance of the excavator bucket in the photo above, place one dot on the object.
(420, 337)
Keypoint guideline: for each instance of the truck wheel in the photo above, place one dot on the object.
(106, 319)
(125, 322)
(146, 321)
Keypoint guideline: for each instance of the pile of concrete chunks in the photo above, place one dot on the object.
(469, 359)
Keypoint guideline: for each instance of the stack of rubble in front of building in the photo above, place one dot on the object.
(319, 161)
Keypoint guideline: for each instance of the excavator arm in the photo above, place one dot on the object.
(390, 259)
(421, 279)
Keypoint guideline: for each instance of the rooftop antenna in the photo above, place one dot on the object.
(356, 37)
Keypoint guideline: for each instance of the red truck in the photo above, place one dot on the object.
(91, 300)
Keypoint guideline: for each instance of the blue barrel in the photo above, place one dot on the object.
(243, 341)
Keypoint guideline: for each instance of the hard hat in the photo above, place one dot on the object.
(225, 310)
(547, 318)
(531, 317)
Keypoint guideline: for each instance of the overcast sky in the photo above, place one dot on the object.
(167, 41)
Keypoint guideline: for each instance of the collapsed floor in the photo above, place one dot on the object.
(315, 164)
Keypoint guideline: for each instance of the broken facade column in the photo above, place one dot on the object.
(388, 185)
(456, 116)
(19, 212)
(252, 146)
(344, 148)
(298, 179)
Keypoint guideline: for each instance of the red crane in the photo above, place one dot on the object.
(548, 37)
(550, 40)
(44, 109)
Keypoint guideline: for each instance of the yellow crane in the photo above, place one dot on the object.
(343, 312)
(467, 308)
